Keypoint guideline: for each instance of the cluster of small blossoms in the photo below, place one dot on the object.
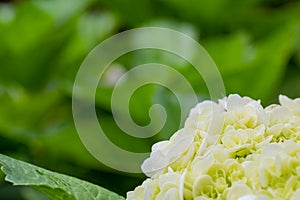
(233, 149)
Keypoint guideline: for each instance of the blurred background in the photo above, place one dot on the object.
(255, 44)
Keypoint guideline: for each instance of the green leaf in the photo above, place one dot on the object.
(254, 68)
(55, 185)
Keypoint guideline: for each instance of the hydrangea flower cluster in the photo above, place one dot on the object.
(233, 149)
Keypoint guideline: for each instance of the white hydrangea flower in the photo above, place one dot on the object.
(168, 186)
(276, 168)
(291, 105)
(206, 120)
(206, 117)
(243, 112)
(235, 149)
(242, 191)
(178, 151)
(283, 124)
(171, 186)
(296, 195)
(147, 191)
(239, 190)
(242, 142)
(255, 197)
(280, 120)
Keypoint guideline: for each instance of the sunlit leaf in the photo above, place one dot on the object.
(57, 186)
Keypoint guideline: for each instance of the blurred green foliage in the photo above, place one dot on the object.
(255, 44)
